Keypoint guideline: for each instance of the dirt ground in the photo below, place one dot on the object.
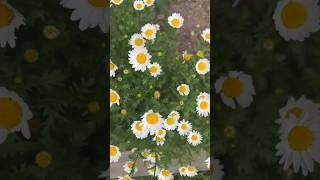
(196, 15)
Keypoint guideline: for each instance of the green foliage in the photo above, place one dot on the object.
(125, 21)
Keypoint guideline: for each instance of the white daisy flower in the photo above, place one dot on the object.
(175, 115)
(159, 140)
(138, 5)
(153, 170)
(203, 107)
(194, 138)
(10, 20)
(191, 171)
(296, 19)
(138, 130)
(161, 133)
(184, 127)
(137, 40)
(152, 121)
(217, 170)
(14, 114)
(175, 20)
(170, 123)
(139, 58)
(128, 166)
(203, 96)
(149, 31)
(206, 35)
(113, 68)
(203, 66)
(186, 56)
(207, 161)
(115, 154)
(300, 143)
(117, 2)
(146, 153)
(114, 97)
(183, 89)
(297, 108)
(183, 171)
(165, 175)
(152, 157)
(91, 13)
(148, 3)
(155, 69)
(126, 177)
(236, 86)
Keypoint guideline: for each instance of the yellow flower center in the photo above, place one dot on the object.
(6, 15)
(204, 105)
(153, 155)
(232, 87)
(31, 55)
(194, 137)
(202, 66)
(148, 2)
(153, 69)
(160, 132)
(207, 36)
(296, 111)
(139, 6)
(300, 138)
(100, 3)
(190, 169)
(111, 66)
(93, 107)
(43, 159)
(187, 56)
(10, 113)
(184, 126)
(157, 94)
(138, 126)
(152, 118)
(165, 173)
(148, 32)
(268, 44)
(113, 97)
(126, 177)
(175, 22)
(138, 42)
(183, 169)
(183, 89)
(170, 121)
(145, 154)
(294, 15)
(113, 151)
(116, 1)
(130, 165)
(141, 58)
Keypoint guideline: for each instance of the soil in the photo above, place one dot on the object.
(196, 14)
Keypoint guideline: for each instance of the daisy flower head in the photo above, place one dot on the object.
(117, 2)
(148, 3)
(183, 171)
(14, 114)
(138, 5)
(50, 32)
(137, 40)
(165, 175)
(203, 66)
(139, 58)
(146, 153)
(217, 170)
(115, 154)
(161, 133)
(152, 121)
(170, 123)
(159, 140)
(206, 35)
(138, 130)
(126, 177)
(114, 97)
(175, 115)
(91, 13)
(149, 31)
(203, 107)
(155, 69)
(113, 68)
(183, 89)
(194, 138)
(191, 171)
(299, 143)
(186, 56)
(184, 127)
(207, 161)
(10, 20)
(152, 157)
(237, 86)
(203, 96)
(296, 19)
(175, 20)
(128, 167)
(297, 108)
